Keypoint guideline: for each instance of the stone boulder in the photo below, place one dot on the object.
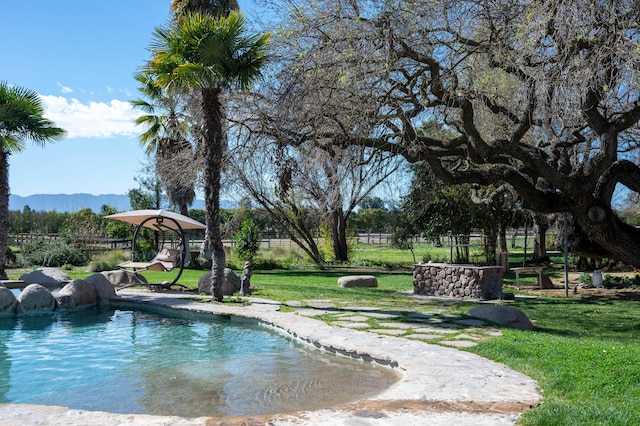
(358, 281)
(505, 315)
(80, 291)
(124, 277)
(50, 278)
(104, 288)
(230, 286)
(35, 298)
(65, 302)
(8, 301)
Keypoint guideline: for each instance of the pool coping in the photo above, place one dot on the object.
(439, 385)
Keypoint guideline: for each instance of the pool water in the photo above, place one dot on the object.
(145, 362)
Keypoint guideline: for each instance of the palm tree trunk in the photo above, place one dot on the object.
(213, 148)
(4, 210)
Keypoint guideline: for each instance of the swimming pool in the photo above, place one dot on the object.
(124, 360)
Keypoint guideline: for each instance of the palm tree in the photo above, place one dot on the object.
(210, 55)
(212, 7)
(21, 117)
(167, 136)
(167, 130)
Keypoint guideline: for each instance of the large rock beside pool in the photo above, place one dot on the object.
(124, 277)
(50, 278)
(35, 298)
(358, 281)
(505, 315)
(104, 288)
(230, 286)
(77, 293)
(8, 301)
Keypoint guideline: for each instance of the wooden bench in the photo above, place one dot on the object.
(528, 270)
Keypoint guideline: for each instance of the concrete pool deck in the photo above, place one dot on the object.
(438, 386)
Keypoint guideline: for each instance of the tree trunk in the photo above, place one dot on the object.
(4, 210)
(595, 231)
(339, 236)
(503, 237)
(492, 236)
(540, 228)
(213, 141)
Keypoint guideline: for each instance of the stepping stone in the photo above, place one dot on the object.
(348, 324)
(472, 322)
(434, 330)
(354, 318)
(419, 316)
(393, 332)
(470, 336)
(402, 325)
(450, 317)
(458, 343)
(383, 315)
(421, 336)
(320, 304)
(360, 308)
(449, 325)
(312, 312)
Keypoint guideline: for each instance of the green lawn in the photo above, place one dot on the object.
(585, 355)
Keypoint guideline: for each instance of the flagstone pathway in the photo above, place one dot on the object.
(444, 329)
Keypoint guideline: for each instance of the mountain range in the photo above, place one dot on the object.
(75, 202)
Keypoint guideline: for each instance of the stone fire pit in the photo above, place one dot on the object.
(461, 281)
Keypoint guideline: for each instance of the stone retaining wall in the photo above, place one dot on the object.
(463, 281)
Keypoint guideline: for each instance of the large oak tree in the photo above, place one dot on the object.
(541, 95)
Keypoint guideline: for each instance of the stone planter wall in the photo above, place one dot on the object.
(463, 281)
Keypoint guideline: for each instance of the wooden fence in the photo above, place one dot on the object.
(268, 242)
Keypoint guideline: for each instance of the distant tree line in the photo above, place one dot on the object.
(85, 222)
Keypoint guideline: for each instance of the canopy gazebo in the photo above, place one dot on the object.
(160, 221)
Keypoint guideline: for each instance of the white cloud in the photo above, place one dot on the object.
(65, 89)
(92, 120)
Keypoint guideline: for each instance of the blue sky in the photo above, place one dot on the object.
(80, 56)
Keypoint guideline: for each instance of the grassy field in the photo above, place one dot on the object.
(584, 351)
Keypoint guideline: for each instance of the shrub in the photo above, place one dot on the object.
(586, 280)
(246, 243)
(108, 262)
(52, 254)
(10, 256)
(610, 281)
(435, 259)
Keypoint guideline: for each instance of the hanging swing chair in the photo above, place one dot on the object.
(171, 255)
